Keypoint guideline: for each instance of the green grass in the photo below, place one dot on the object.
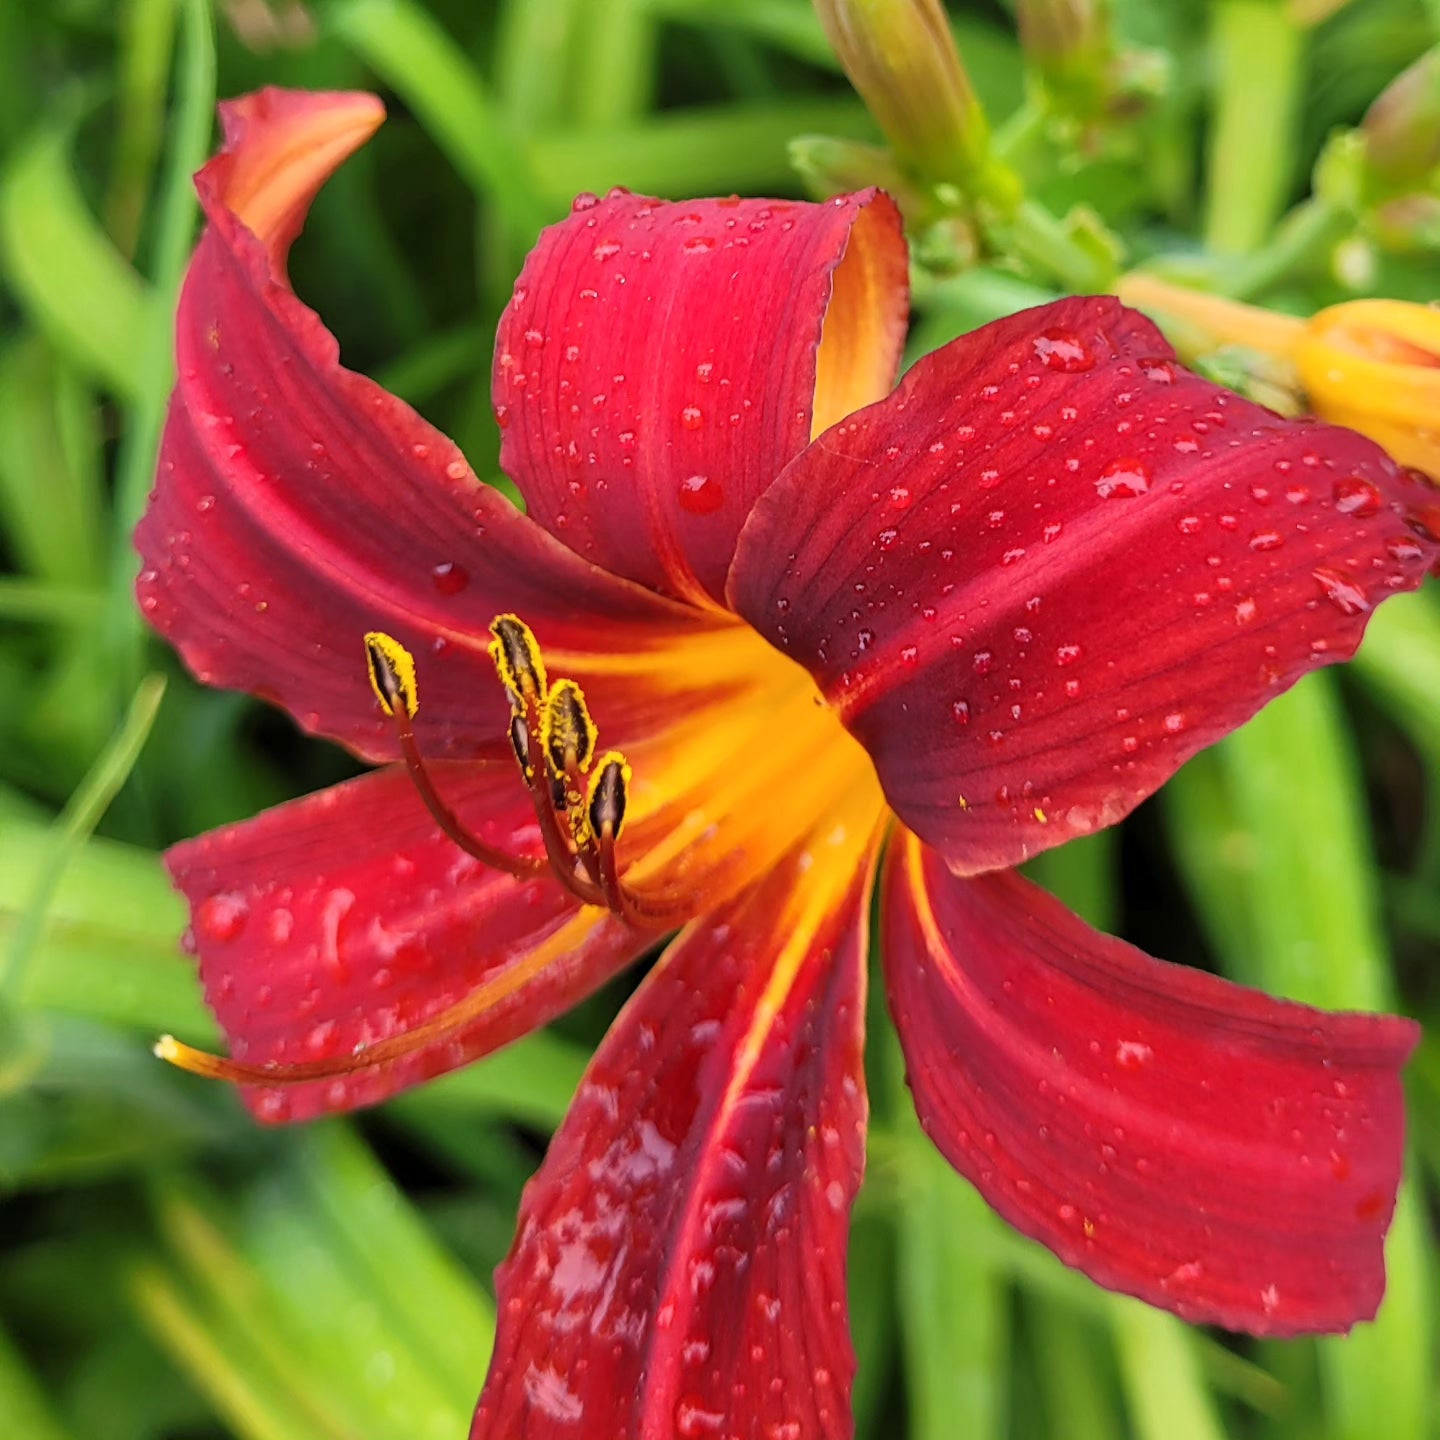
(169, 1270)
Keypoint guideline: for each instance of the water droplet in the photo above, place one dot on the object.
(1341, 591)
(899, 497)
(223, 916)
(984, 662)
(1066, 654)
(960, 712)
(1357, 496)
(1132, 1054)
(457, 470)
(1424, 520)
(1244, 611)
(606, 250)
(449, 578)
(691, 417)
(1404, 550)
(692, 1418)
(1063, 351)
(704, 370)
(864, 639)
(698, 245)
(1266, 540)
(502, 416)
(585, 200)
(1174, 722)
(1124, 480)
(700, 495)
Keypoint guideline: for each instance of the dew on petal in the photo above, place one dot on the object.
(700, 495)
(1061, 350)
(223, 916)
(448, 578)
(1341, 591)
(1357, 496)
(1123, 481)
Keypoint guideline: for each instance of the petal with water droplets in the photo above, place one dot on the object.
(659, 363)
(1215, 1152)
(298, 505)
(333, 928)
(679, 1269)
(1054, 565)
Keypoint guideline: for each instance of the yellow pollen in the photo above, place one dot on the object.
(392, 673)
(517, 657)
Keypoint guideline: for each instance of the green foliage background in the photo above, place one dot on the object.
(168, 1269)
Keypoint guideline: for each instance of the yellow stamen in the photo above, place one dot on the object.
(392, 673)
(517, 657)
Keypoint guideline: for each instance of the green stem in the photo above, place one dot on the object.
(1042, 241)
(1311, 230)
(1259, 74)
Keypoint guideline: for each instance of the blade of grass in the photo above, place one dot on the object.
(152, 363)
(535, 54)
(218, 1363)
(692, 152)
(75, 824)
(1314, 907)
(408, 49)
(147, 40)
(616, 82)
(23, 1403)
(1165, 1391)
(52, 498)
(75, 286)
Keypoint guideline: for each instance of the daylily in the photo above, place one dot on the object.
(835, 635)
(1371, 364)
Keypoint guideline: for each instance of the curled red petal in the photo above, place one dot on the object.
(298, 505)
(1215, 1152)
(680, 1263)
(341, 922)
(1054, 565)
(660, 363)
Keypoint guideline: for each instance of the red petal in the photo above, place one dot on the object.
(680, 1264)
(1054, 565)
(1224, 1155)
(298, 505)
(335, 923)
(658, 366)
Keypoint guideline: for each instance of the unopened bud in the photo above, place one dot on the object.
(1054, 33)
(901, 57)
(1402, 127)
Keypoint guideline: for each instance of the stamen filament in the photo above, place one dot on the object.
(443, 1026)
(392, 673)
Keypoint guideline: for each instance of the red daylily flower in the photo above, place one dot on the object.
(842, 636)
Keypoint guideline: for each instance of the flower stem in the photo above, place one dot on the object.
(1310, 231)
(1258, 64)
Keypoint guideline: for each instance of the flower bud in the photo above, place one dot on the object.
(901, 57)
(1057, 33)
(1402, 127)
(1374, 365)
